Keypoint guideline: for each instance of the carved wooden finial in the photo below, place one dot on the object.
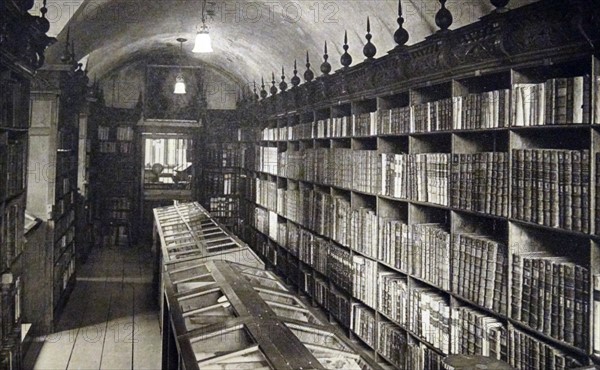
(401, 35)
(283, 85)
(43, 23)
(500, 5)
(263, 91)
(443, 18)
(325, 66)
(255, 95)
(309, 74)
(66, 57)
(346, 58)
(140, 102)
(295, 80)
(274, 87)
(369, 50)
(73, 59)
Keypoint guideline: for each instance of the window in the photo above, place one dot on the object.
(167, 162)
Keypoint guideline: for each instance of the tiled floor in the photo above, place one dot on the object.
(111, 318)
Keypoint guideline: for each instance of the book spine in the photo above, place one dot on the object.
(596, 315)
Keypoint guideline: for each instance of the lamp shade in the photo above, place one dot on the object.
(203, 43)
(179, 85)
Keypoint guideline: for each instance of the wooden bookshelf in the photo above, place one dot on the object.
(21, 54)
(114, 178)
(473, 183)
(223, 165)
(58, 96)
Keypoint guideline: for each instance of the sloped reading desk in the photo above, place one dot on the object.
(222, 310)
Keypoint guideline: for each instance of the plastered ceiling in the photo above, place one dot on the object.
(250, 38)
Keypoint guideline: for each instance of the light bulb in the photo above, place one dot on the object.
(203, 42)
(179, 85)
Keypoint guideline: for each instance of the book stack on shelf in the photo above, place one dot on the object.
(475, 333)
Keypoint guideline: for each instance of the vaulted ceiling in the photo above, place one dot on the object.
(251, 38)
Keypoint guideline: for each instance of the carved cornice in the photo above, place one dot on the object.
(520, 35)
(23, 37)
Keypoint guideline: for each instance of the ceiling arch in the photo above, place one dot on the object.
(251, 39)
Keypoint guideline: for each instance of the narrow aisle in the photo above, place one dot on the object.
(111, 319)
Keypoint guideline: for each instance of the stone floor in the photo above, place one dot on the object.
(111, 320)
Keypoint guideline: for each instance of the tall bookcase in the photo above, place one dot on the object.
(14, 90)
(57, 97)
(443, 199)
(115, 175)
(21, 54)
(223, 169)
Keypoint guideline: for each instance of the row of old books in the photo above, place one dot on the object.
(597, 196)
(13, 97)
(364, 280)
(479, 182)
(266, 194)
(551, 187)
(428, 254)
(63, 224)
(429, 317)
(363, 324)
(393, 297)
(260, 221)
(422, 250)
(124, 133)
(596, 314)
(552, 295)
(419, 177)
(65, 240)
(267, 250)
(12, 220)
(480, 271)
(289, 165)
(340, 307)
(266, 160)
(63, 204)
(395, 121)
(393, 343)
(475, 333)
(339, 267)
(223, 206)
(553, 102)
(421, 357)
(13, 155)
(336, 166)
(331, 127)
(107, 147)
(220, 183)
(529, 353)
(103, 133)
(225, 155)
(316, 288)
(311, 249)
(432, 116)
(486, 110)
